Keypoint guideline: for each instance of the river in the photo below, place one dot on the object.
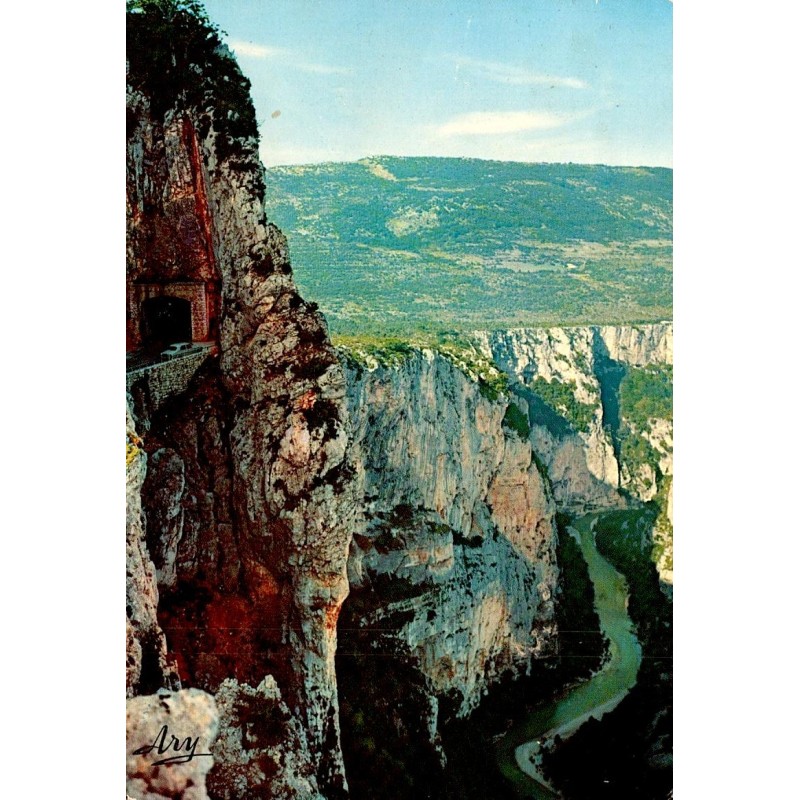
(594, 697)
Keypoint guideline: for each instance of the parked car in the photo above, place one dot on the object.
(176, 349)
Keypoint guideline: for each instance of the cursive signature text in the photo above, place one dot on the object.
(186, 748)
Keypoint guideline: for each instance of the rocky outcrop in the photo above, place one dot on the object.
(579, 370)
(250, 506)
(147, 666)
(638, 345)
(453, 571)
(579, 457)
(443, 446)
(262, 749)
(170, 725)
(586, 363)
(643, 346)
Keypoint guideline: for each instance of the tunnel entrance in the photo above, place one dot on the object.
(168, 312)
(166, 320)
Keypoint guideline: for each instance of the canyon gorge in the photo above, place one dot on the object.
(327, 546)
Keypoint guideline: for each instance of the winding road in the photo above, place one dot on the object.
(519, 751)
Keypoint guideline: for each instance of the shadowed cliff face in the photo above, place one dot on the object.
(452, 575)
(619, 377)
(248, 501)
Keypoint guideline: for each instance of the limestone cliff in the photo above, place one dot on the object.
(249, 499)
(648, 476)
(581, 359)
(638, 345)
(147, 667)
(455, 503)
(580, 458)
(605, 444)
(453, 571)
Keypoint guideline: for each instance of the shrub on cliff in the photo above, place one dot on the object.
(516, 421)
(561, 397)
(176, 57)
(164, 37)
(646, 393)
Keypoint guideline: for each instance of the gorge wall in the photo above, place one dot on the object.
(453, 576)
(238, 573)
(428, 445)
(608, 434)
(453, 573)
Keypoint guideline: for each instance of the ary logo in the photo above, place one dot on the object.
(185, 748)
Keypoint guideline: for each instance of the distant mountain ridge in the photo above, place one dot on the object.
(397, 244)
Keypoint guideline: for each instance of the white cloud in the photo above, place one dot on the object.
(287, 57)
(517, 76)
(252, 50)
(494, 123)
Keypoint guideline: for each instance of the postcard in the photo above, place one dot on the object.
(399, 431)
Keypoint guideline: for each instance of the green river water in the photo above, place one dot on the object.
(601, 692)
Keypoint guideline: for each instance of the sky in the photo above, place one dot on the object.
(586, 81)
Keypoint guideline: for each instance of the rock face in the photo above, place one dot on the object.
(147, 667)
(638, 345)
(424, 435)
(588, 462)
(583, 463)
(249, 506)
(645, 346)
(170, 725)
(453, 572)
(262, 750)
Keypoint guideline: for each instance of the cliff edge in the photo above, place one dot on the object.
(248, 497)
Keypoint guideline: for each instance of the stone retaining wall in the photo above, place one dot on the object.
(157, 382)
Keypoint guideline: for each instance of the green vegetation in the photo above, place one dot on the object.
(175, 57)
(395, 246)
(173, 12)
(625, 539)
(516, 421)
(646, 392)
(470, 744)
(386, 351)
(581, 643)
(662, 543)
(581, 362)
(635, 450)
(629, 752)
(365, 350)
(561, 398)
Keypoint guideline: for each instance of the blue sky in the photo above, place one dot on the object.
(527, 80)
